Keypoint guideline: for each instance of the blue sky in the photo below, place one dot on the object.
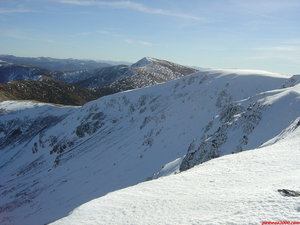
(249, 34)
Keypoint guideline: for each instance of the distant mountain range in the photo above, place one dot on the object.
(54, 64)
(31, 83)
(13, 72)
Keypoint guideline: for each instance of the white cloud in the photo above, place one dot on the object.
(133, 6)
(144, 43)
(83, 33)
(291, 59)
(105, 32)
(113, 34)
(267, 6)
(17, 34)
(289, 48)
(119, 37)
(293, 41)
(289, 53)
(9, 11)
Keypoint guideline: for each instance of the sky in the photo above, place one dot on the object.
(247, 34)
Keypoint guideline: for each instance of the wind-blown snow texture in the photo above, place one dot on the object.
(54, 159)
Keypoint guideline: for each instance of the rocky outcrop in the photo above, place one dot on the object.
(289, 193)
(18, 131)
(233, 117)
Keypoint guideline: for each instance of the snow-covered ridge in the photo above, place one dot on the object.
(13, 106)
(234, 189)
(55, 159)
(251, 71)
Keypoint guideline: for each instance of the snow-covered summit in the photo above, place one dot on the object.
(143, 62)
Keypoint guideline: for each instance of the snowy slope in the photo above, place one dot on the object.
(78, 154)
(235, 189)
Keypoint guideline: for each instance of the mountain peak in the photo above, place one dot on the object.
(143, 62)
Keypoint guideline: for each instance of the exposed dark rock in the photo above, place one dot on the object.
(289, 193)
(61, 146)
(88, 128)
(19, 131)
(90, 124)
(232, 117)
